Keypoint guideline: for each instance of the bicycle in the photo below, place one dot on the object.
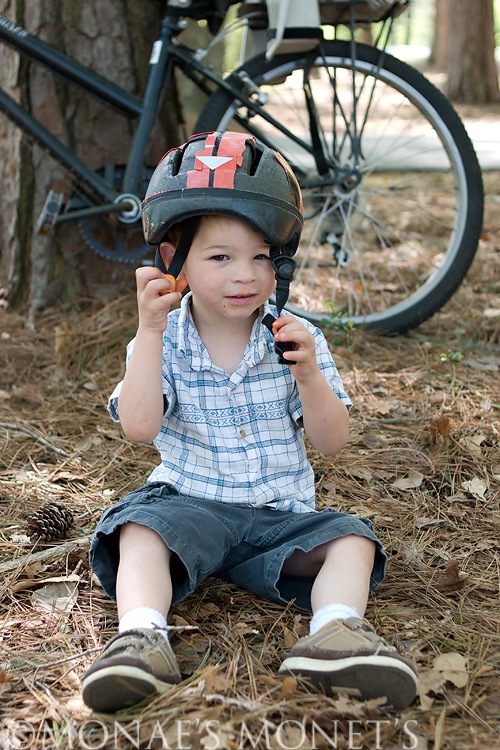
(392, 187)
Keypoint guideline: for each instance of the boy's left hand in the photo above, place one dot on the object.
(288, 329)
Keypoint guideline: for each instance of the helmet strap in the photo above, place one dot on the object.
(181, 251)
(284, 267)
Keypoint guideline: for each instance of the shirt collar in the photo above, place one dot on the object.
(191, 345)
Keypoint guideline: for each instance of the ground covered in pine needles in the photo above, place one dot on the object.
(423, 463)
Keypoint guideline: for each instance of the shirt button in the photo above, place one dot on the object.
(243, 433)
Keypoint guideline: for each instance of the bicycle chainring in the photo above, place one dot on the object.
(107, 236)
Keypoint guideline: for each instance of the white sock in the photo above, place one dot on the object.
(143, 617)
(331, 612)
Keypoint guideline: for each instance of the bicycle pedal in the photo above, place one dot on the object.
(49, 213)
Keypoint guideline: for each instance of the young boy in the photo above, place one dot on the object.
(234, 493)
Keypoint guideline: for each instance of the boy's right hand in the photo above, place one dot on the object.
(155, 297)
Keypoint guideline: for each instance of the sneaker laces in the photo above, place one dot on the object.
(368, 633)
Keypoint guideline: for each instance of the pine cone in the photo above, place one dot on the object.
(51, 521)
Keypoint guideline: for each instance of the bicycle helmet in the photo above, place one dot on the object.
(226, 173)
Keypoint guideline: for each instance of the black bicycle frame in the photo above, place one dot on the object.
(126, 103)
(165, 51)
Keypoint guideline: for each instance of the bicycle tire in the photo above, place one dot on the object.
(393, 230)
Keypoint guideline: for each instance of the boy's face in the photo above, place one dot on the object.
(228, 269)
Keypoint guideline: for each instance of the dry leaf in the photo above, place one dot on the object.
(216, 683)
(410, 482)
(28, 394)
(300, 626)
(55, 597)
(476, 487)
(347, 707)
(486, 544)
(450, 580)
(422, 522)
(289, 640)
(440, 426)
(451, 667)
(178, 622)
(5, 681)
(361, 472)
(492, 312)
(473, 443)
(490, 705)
(373, 442)
(289, 687)
(217, 736)
(362, 511)
(84, 443)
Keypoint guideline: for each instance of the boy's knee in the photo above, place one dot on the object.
(352, 544)
(137, 534)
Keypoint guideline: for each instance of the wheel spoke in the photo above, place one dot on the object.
(390, 231)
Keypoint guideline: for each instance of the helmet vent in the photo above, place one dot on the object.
(176, 162)
(256, 157)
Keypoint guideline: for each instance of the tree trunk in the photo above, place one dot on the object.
(473, 75)
(113, 38)
(441, 43)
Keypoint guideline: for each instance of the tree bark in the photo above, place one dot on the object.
(113, 38)
(473, 75)
(441, 43)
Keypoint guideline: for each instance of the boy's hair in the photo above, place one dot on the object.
(174, 233)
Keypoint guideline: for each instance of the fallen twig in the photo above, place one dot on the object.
(44, 555)
(43, 441)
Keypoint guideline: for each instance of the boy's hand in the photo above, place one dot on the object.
(288, 329)
(155, 297)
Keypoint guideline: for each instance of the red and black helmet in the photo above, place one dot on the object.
(225, 173)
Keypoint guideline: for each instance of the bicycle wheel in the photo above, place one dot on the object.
(394, 201)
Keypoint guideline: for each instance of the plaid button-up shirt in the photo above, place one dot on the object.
(236, 438)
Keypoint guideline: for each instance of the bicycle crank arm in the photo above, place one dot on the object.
(84, 213)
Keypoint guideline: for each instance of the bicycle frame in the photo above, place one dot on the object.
(164, 52)
(167, 52)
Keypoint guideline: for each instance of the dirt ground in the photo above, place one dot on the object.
(423, 463)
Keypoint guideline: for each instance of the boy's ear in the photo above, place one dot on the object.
(167, 251)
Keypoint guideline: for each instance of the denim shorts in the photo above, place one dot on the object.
(237, 543)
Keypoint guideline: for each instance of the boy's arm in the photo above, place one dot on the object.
(325, 416)
(140, 402)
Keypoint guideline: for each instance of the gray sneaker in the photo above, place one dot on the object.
(134, 665)
(347, 656)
